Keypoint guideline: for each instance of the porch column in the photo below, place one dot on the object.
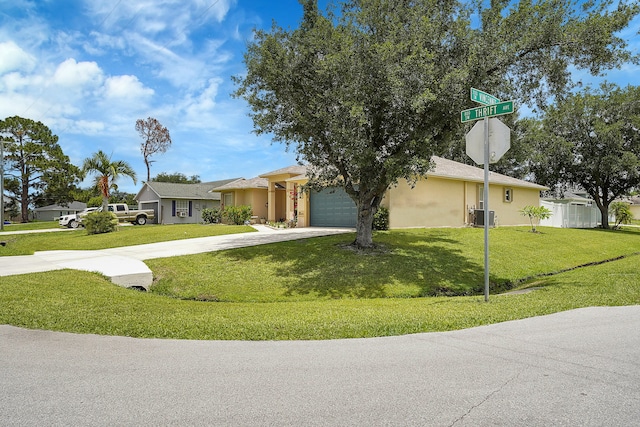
(289, 205)
(271, 199)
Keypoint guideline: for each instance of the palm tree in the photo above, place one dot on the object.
(107, 172)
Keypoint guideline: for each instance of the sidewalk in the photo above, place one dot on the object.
(124, 265)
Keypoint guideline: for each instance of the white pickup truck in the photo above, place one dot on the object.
(74, 220)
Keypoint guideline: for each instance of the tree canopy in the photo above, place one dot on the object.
(107, 173)
(591, 139)
(368, 94)
(177, 178)
(36, 169)
(156, 139)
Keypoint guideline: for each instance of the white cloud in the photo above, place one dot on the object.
(77, 74)
(126, 87)
(13, 58)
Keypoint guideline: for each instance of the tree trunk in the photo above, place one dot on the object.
(604, 211)
(364, 225)
(148, 165)
(24, 200)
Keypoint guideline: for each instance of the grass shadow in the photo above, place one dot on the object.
(404, 265)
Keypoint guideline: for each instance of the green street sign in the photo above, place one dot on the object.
(483, 98)
(487, 111)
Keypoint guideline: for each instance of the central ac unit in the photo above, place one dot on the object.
(478, 218)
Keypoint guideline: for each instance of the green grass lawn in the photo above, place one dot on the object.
(317, 289)
(27, 244)
(411, 263)
(36, 225)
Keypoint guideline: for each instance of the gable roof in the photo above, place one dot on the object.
(73, 206)
(455, 170)
(200, 191)
(294, 170)
(245, 184)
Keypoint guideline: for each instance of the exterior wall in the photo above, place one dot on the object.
(147, 195)
(508, 213)
(635, 211)
(439, 202)
(434, 202)
(52, 215)
(254, 197)
(167, 215)
(281, 204)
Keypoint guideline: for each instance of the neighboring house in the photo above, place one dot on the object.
(575, 209)
(635, 206)
(179, 203)
(53, 212)
(449, 197)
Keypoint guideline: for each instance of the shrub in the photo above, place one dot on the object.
(535, 214)
(237, 214)
(621, 212)
(381, 219)
(211, 216)
(100, 222)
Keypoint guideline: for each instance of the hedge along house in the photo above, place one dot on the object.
(450, 196)
(179, 203)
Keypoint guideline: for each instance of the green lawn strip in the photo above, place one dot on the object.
(36, 225)
(83, 302)
(410, 263)
(27, 244)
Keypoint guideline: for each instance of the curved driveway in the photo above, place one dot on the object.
(124, 265)
(580, 367)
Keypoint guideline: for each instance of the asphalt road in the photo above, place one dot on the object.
(574, 368)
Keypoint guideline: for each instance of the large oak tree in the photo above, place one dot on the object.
(367, 93)
(591, 139)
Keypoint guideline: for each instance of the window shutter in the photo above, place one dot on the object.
(173, 208)
(190, 208)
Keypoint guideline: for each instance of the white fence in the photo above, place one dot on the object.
(566, 215)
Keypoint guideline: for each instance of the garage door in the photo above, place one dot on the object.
(151, 205)
(332, 207)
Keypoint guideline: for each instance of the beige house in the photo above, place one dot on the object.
(450, 196)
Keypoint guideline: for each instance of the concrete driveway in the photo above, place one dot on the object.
(577, 368)
(124, 265)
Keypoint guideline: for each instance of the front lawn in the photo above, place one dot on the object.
(35, 225)
(27, 244)
(410, 263)
(316, 289)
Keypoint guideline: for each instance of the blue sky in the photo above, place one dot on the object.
(89, 68)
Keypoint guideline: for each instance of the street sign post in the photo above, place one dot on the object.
(491, 107)
(487, 111)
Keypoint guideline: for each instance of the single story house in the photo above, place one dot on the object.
(450, 196)
(53, 212)
(179, 203)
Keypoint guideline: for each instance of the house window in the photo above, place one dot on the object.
(480, 197)
(508, 195)
(182, 207)
(228, 199)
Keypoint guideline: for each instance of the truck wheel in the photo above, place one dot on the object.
(73, 224)
(141, 220)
